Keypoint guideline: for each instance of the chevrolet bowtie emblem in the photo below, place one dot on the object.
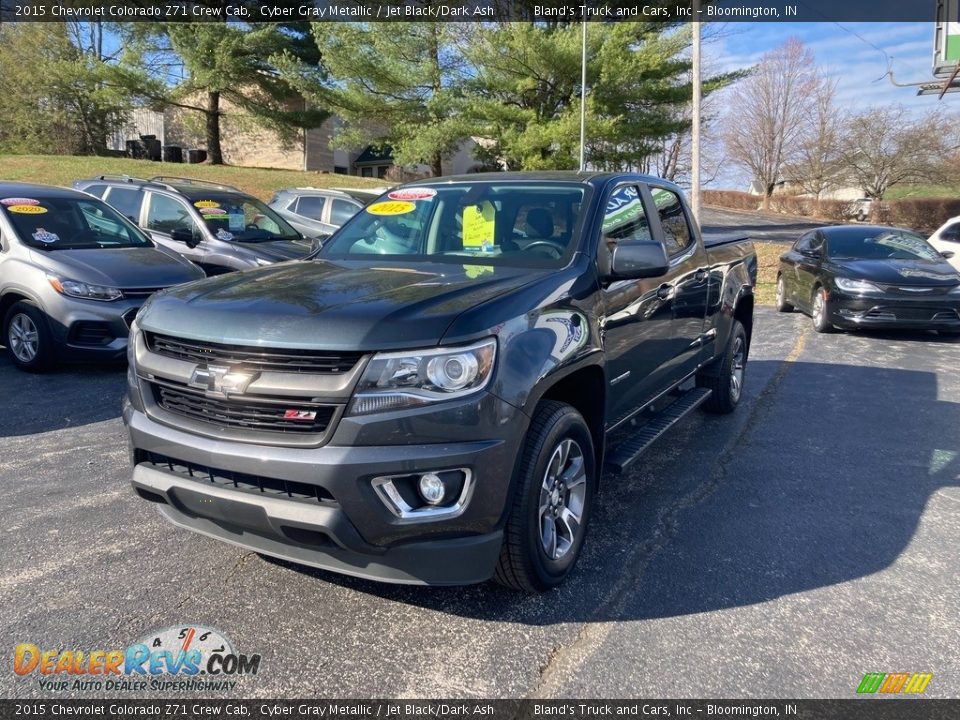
(221, 381)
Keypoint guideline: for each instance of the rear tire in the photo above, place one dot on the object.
(726, 374)
(27, 337)
(820, 310)
(552, 498)
(780, 302)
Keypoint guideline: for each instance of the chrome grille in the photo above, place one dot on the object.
(280, 360)
(275, 414)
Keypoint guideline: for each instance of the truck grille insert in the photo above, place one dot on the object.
(280, 415)
(244, 482)
(276, 359)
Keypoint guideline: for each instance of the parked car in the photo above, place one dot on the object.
(316, 211)
(947, 240)
(853, 276)
(432, 397)
(860, 209)
(73, 274)
(215, 226)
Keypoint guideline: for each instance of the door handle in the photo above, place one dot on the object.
(665, 291)
(701, 275)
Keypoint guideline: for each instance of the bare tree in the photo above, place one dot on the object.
(769, 110)
(817, 165)
(885, 146)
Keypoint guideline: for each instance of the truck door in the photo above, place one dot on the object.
(689, 277)
(638, 314)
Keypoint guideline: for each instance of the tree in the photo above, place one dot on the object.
(817, 164)
(768, 113)
(883, 147)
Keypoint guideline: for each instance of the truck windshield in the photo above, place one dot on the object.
(236, 218)
(70, 223)
(503, 223)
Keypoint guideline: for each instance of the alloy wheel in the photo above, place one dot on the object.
(24, 338)
(562, 499)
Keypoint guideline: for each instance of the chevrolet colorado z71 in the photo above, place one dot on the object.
(430, 397)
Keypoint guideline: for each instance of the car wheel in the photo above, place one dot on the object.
(27, 337)
(820, 311)
(553, 494)
(781, 302)
(726, 375)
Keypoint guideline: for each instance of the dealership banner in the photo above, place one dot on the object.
(853, 709)
(260, 11)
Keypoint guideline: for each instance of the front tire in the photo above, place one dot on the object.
(552, 499)
(781, 299)
(725, 377)
(27, 337)
(820, 311)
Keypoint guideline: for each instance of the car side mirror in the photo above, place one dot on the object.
(638, 260)
(186, 236)
(947, 254)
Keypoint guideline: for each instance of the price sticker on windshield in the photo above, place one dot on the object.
(478, 226)
(27, 209)
(391, 207)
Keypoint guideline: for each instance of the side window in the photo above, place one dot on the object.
(341, 211)
(97, 190)
(816, 243)
(165, 214)
(127, 202)
(673, 219)
(625, 220)
(803, 244)
(311, 206)
(951, 233)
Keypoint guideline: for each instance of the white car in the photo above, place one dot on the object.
(947, 240)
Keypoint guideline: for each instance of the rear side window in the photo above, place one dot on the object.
(97, 190)
(951, 233)
(127, 202)
(673, 220)
(341, 211)
(625, 220)
(166, 215)
(311, 206)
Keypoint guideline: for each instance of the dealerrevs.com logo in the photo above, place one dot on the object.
(190, 658)
(894, 683)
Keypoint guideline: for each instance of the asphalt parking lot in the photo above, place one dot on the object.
(783, 551)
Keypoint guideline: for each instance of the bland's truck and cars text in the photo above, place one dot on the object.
(431, 396)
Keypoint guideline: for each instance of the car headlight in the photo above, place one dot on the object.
(857, 286)
(86, 291)
(410, 379)
(262, 262)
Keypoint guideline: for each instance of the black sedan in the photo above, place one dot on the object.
(861, 276)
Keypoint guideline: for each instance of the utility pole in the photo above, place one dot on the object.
(695, 119)
(583, 97)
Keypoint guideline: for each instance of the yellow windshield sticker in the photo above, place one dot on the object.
(475, 271)
(206, 204)
(478, 226)
(27, 209)
(391, 207)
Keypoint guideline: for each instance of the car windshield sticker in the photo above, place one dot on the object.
(475, 271)
(27, 209)
(19, 201)
(206, 204)
(211, 211)
(237, 221)
(412, 194)
(224, 235)
(45, 237)
(478, 226)
(391, 207)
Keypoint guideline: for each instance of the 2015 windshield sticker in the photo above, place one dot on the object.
(412, 194)
(19, 201)
(27, 209)
(206, 204)
(45, 237)
(224, 235)
(391, 207)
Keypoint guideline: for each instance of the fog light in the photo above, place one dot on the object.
(431, 489)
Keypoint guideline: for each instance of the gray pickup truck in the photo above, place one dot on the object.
(431, 397)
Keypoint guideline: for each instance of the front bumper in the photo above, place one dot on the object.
(90, 330)
(924, 312)
(346, 528)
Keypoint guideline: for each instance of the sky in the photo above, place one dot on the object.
(846, 53)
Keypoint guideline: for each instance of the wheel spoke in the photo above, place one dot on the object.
(575, 474)
(548, 536)
(570, 523)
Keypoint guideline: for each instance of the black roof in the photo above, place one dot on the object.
(858, 230)
(32, 190)
(587, 177)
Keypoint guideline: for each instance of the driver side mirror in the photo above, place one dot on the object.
(947, 254)
(638, 260)
(186, 236)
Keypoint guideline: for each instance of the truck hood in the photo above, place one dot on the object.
(130, 268)
(277, 250)
(330, 305)
(929, 273)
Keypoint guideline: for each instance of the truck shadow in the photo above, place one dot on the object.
(820, 480)
(68, 396)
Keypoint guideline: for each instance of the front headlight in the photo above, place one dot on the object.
(410, 379)
(857, 286)
(85, 291)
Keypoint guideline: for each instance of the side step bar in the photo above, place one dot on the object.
(632, 448)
